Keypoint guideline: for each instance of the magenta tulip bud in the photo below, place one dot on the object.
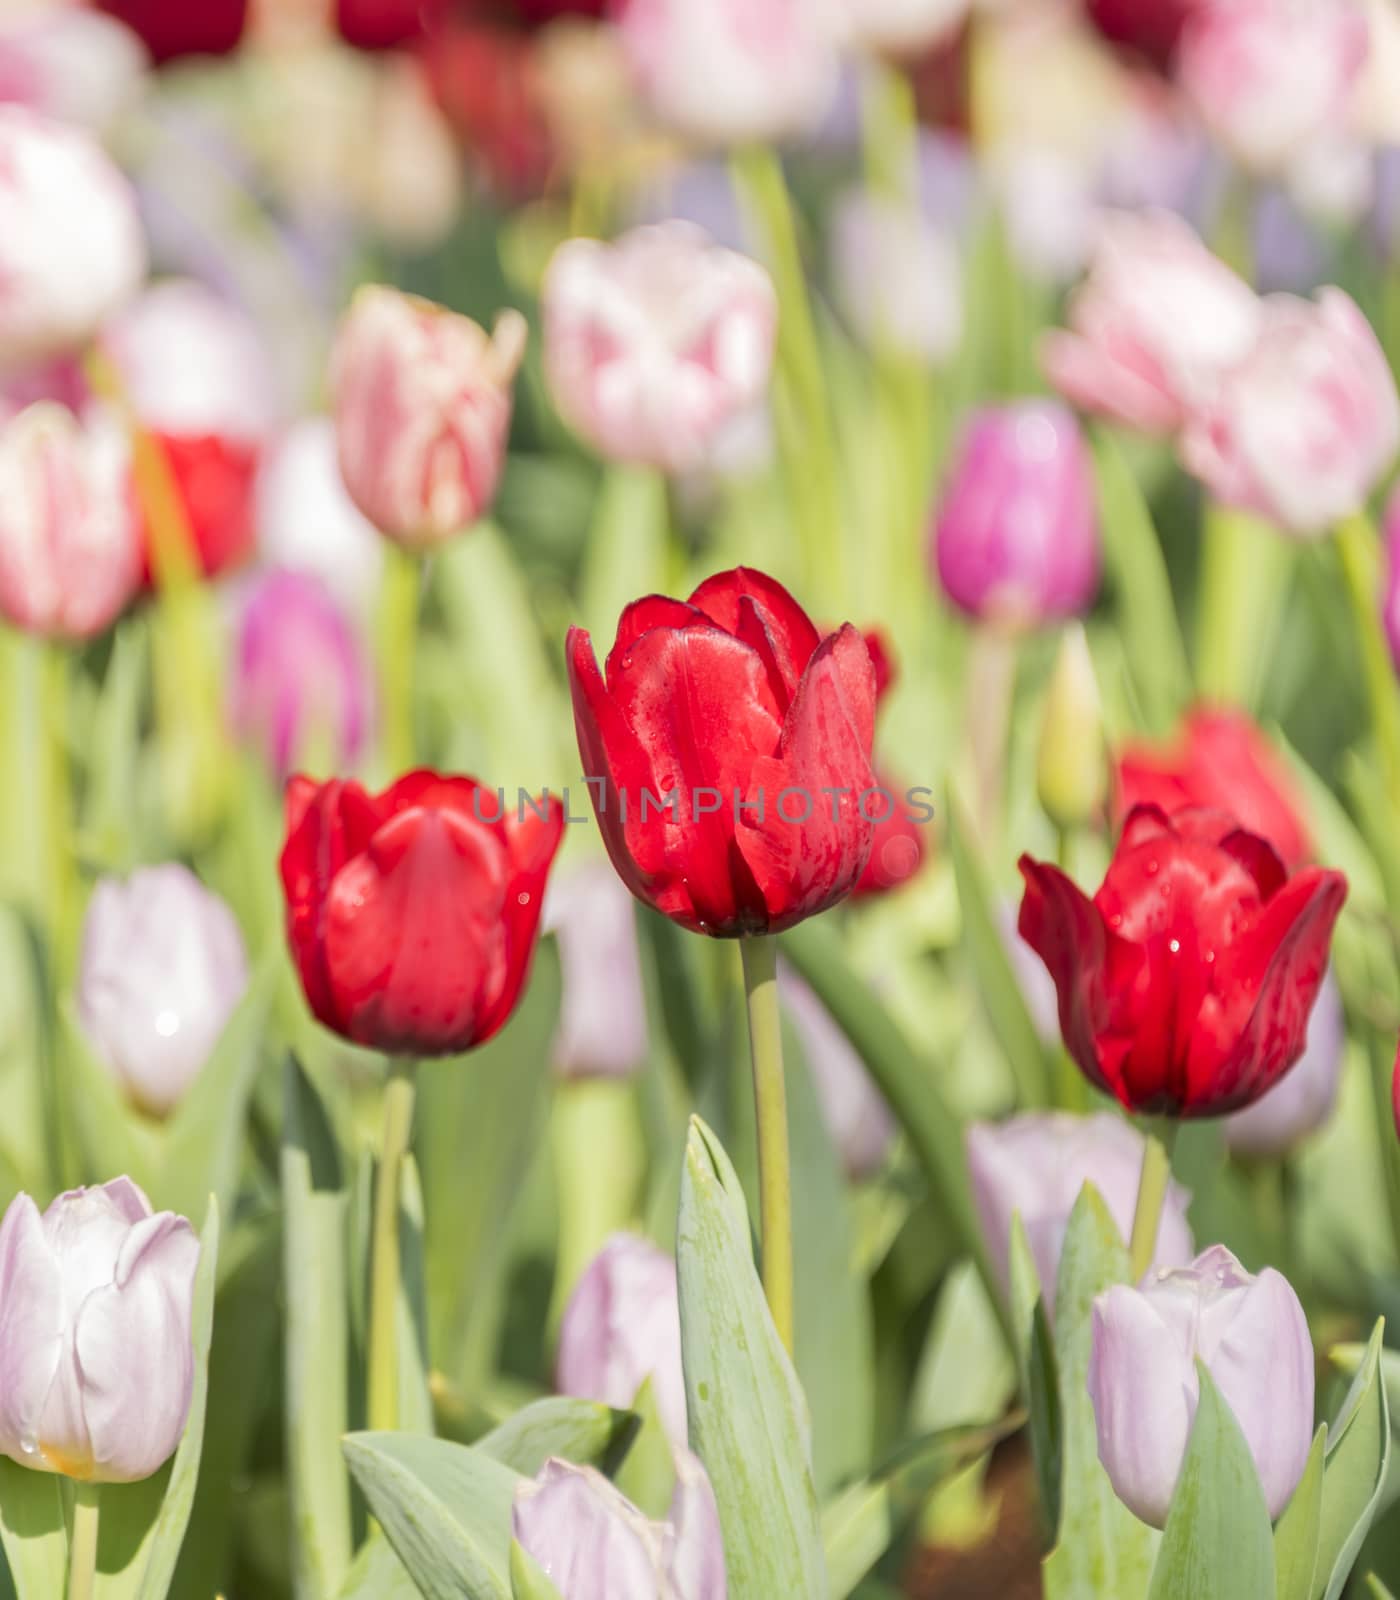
(1304, 1099)
(301, 685)
(1307, 425)
(896, 277)
(1017, 537)
(70, 551)
(1253, 1337)
(1153, 326)
(1034, 1165)
(72, 64)
(96, 1352)
(592, 1543)
(422, 401)
(163, 968)
(654, 344)
(71, 247)
(622, 1325)
(602, 1017)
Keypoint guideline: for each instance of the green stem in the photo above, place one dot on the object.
(1357, 548)
(382, 1408)
(82, 1547)
(770, 1100)
(1244, 565)
(1152, 1193)
(398, 630)
(55, 709)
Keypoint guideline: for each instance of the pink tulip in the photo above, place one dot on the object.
(71, 64)
(1153, 326)
(1307, 425)
(657, 342)
(422, 401)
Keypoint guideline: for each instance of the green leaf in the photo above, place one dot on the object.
(111, 1136)
(1295, 1537)
(1217, 1544)
(1040, 1379)
(1102, 1551)
(527, 1577)
(748, 1420)
(34, 1530)
(377, 1574)
(445, 1508)
(415, 1399)
(1353, 1475)
(647, 1475)
(625, 554)
(581, 1431)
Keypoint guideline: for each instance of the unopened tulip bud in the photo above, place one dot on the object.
(654, 344)
(71, 246)
(174, 28)
(1304, 1099)
(602, 1016)
(1253, 1338)
(621, 1327)
(1072, 764)
(70, 553)
(96, 1352)
(163, 967)
(422, 401)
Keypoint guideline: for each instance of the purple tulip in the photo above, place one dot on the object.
(622, 1325)
(1253, 1337)
(301, 683)
(1016, 539)
(1302, 1101)
(602, 1020)
(96, 1358)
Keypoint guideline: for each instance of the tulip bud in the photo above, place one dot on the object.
(897, 278)
(174, 28)
(96, 1352)
(1016, 539)
(163, 968)
(422, 401)
(657, 342)
(1148, 28)
(1307, 425)
(1304, 1099)
(70, 556)
(71, 246)
(1253, 1337)
(71, 64)
(1034, 1165)
(1072, 765)
(602, 1017)
(622, 1325)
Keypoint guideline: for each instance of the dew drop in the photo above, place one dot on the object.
(1153, 867)
(523, 898)
(29, 1445)
(1175, 946)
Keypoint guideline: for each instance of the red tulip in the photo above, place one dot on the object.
(1185, 984)
(897, 852)
(412, 915)
(1221, 760)
(216, 478)
(386, 24)
(759, 729)
(1149, 28)
(172, 28)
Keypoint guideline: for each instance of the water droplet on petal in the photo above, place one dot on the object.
(1175, 946)
(523, 898)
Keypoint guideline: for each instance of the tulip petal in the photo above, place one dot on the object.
(697, 1556)
(592, 1542)
(531, 843)
(31, 1326)
(641, 616)
(795, 637)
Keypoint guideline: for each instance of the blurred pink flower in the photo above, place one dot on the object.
(897, 277)
(602, 1017)
(902, 27)
(1307, 425)
(653, 344)
(71, 64)
(1153, 326)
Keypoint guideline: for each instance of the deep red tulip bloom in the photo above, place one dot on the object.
(386, 24)
(412, 915)
(1222, 761)
(216, 479)
(1185, 984)
(174, 28)
(1148, 28)
(732, 702)
(898, 849)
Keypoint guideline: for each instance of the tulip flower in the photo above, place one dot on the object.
(592, 1543)
(1071, 767)
(1153, 327)
(300, 677)
(71, 247)
(1016, 538)
(711, 75)
(163, 967)
(96, 1351)
(1035, 983)
(654, 344)
(602, 1016)
(1221, 760)
(1269, 77)
(1149, 29)
(412, 915)
(422, 401)
(70, 558)
(386, 24)
(897, 277)
(1307, 425)
(1034, 1165)
(71, 64)
(1304, 1101)
(1253, 1338)
(1186, 983)
(738, 741)
(174, 28)
(902, 28)
(621, 1327)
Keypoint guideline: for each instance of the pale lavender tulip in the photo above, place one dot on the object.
(594, 1544)
(622, 1325)
(163, 967)
(301, 682)
(1253, 1337)
(96, 1358)
(1016, 539)
(1307, 425)
(896, 277)
(1035, 1164)
(654, 344)
(71, 63)
(602, 1017)
(1304, 1099)
(1032, 976)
